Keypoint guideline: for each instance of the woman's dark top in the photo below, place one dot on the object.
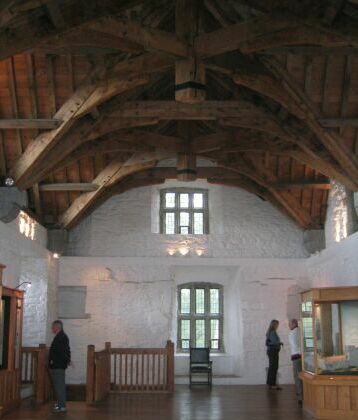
(60, 353)
(273, 340)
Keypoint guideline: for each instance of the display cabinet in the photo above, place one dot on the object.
(11, 311)
(329, 319)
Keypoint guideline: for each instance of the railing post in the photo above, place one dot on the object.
(41, 372)
(108, 347)
(170, 366)
(90, 374)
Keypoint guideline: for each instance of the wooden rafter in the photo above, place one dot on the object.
(13, 41)
(267, 179)
(29, 123)
(83, 100)
(69, 186)
(257, 78)
(112, 174)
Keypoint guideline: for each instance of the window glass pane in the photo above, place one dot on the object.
(200, 301)
(185, 301)
(200, 333)
(214, 333)
(170, 200)
(214, 301)
(184, 218)
(198, 223)
(185, 333)
(169, 223)
(184, 230)
(198, 200)
(184, 201)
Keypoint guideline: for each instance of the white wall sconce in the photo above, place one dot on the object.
(56, 255)
(171, 251)
(199, 252)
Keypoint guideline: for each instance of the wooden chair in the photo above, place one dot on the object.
(200, 364)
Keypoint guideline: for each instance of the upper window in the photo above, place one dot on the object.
(184, 211)
(200, 316)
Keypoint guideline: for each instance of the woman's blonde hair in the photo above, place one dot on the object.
(272, 327)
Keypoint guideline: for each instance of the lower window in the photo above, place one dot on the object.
(200, 316)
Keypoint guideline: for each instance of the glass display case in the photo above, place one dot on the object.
(329, 338)
(330, 335)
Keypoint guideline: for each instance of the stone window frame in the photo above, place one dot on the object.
(207, 316)
(177, 191)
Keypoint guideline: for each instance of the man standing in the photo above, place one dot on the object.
(59, 360)
(294, 340)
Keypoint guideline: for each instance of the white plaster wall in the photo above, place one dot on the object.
(132, 302)
(241, 225)
(28, 260)
(337, 265)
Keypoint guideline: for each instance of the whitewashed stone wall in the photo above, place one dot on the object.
(341, 220)
(133, 302)
(28, 260)
(241, 225)
(337, 265)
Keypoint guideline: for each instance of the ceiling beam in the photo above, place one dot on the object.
(338, 122)
(64, 153)
(151, 39)
(269, 31)
(98, 87)
(319, 185)
(172, 110)
(112, 174)
(69, 186)
(267, 179)
(333, 142)
(29, 123)
(280, 87)
(28, 33)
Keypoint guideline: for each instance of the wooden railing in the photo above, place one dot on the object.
(129, 370)
(9, 390)
(35, 371)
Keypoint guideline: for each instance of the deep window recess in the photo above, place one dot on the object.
(184, 211)
(200, 316)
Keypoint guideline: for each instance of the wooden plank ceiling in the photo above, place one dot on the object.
(94, 94)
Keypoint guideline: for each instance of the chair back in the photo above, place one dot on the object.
(199, 355)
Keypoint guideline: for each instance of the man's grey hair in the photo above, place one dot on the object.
(58, 323)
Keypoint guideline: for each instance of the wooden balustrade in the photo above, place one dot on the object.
(35, 371)
(9, 389)
(129, 370)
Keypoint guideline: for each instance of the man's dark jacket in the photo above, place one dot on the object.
(60, 353)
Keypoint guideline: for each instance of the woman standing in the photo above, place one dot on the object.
(273, 344)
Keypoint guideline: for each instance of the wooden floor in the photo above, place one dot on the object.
(222, 403)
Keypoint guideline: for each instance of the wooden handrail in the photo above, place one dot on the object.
(129, 370)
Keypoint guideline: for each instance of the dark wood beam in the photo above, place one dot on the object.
(36, 28)
(320, 185)
(112, 174)
(29, 123)
(149, 38)
(281, 88)
(267, 179)
(338, 122)
(86, 97)
(69, 186)
(208, 110)
(331, 141)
